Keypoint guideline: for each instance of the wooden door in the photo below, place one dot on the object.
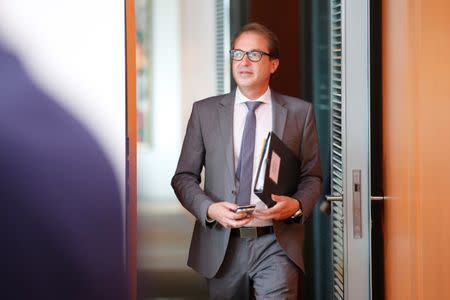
(416, 146)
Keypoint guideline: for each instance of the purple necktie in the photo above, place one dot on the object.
(244, 170)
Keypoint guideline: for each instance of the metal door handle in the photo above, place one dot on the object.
(325, 207)
(333, 198)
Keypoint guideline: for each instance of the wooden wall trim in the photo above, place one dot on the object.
(130, 34)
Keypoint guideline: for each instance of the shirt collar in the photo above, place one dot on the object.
(265, 98)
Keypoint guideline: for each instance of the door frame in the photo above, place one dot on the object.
(356, 95)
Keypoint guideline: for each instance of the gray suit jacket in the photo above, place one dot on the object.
(209, 143)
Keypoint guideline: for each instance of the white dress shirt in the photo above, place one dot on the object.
(263, 127)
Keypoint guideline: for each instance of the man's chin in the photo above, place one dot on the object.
(245, 82)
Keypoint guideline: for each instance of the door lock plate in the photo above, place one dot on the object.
(357, 219)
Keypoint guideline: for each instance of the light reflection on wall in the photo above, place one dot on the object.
(178, 38)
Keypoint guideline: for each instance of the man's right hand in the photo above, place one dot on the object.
(223, 212)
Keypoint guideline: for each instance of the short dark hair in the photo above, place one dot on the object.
(272, 39)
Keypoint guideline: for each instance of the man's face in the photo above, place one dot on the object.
(253, 76)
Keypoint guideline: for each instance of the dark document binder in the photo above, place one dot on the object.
(278, 171)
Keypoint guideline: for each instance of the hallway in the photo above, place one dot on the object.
(164, 234)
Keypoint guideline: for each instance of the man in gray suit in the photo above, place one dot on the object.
(242, 254)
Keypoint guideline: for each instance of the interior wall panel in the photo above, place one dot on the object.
(415, 63)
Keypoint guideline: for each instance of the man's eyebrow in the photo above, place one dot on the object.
(257, 50)
(254, 49)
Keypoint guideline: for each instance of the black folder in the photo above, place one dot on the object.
(278, 171)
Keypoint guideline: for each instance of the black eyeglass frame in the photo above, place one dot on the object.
(247, 53)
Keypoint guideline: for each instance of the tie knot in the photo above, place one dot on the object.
(252, 105)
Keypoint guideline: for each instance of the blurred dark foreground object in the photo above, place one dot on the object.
(60, 214)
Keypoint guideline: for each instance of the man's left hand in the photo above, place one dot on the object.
(284, 208)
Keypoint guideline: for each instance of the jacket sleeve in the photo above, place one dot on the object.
(187, 177)
(309, 187)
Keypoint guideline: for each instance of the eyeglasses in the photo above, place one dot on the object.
(254, 55)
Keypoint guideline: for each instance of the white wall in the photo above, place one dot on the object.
(74, 49)
(183, 71)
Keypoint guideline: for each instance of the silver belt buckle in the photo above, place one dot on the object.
(248, 232)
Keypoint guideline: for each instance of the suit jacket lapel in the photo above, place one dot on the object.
(279, 114)
(226, 113)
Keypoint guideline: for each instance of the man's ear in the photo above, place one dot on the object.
(274, 63)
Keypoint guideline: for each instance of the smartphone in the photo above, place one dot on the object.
(245, 209)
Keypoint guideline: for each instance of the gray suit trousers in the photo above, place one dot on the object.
(255, 266)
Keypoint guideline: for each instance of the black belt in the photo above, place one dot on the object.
(251, 232)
